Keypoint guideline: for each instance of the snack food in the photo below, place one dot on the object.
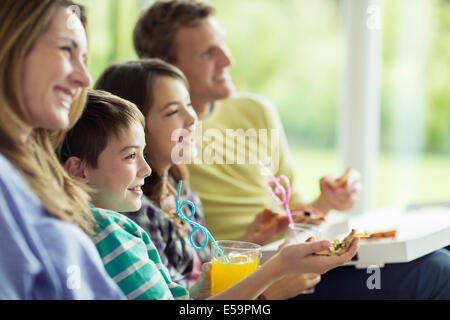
(383, 234)
(270, 218)
(341, 181)
(339, 247)
(307, 214)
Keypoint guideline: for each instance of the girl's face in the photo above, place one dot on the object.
(120, 173)
(54, 71)
(170, 123)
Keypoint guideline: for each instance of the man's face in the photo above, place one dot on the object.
(205, 59)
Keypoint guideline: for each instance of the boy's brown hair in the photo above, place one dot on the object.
(104, 116)
(154, 33)
(135, 81)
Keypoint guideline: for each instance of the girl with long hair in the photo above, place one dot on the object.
(161, 92)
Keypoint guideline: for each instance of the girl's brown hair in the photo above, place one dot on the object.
(134, 81)
(21, 24)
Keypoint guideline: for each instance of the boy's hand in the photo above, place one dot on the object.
(202, 288)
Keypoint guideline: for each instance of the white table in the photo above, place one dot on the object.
(419, 232)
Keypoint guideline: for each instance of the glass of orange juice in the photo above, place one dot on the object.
(242, 258)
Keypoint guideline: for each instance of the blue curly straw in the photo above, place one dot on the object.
(196, 225)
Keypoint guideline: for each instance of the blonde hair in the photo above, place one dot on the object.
(21, 23)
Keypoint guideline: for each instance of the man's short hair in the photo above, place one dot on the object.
(154, 33)
(105, 116)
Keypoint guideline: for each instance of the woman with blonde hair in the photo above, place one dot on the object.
(45, 221)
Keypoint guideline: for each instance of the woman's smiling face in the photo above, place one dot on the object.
(54, 71)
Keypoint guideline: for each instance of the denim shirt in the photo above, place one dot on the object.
(42, 257)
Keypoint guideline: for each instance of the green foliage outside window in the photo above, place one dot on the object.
(292, 53)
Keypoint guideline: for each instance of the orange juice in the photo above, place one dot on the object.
(224, 275)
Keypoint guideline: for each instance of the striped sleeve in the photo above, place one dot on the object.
(177, 291)
(131, 259)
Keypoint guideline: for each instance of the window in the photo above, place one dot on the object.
(291, 53)
(301, 56)
(414, 163)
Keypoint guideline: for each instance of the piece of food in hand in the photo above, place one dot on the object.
(307, 214)
(339, 247)
(341, 181)
(270, 218)
(384, 234)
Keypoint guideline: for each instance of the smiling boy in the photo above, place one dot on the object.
(105, 151)
(105, 147)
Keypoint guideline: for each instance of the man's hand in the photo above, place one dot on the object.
(341, 196)
(261, 232)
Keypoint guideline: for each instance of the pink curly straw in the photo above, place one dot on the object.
(279, 190)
